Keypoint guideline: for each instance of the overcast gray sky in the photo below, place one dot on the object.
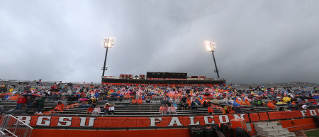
(257, 41)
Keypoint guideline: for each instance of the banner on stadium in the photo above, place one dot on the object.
(157, 121)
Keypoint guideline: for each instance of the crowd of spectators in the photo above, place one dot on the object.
(172, 98)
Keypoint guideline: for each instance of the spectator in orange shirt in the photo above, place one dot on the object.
(89, 110)
(162, 109)
(62, 105)
(21, 100)
(271, 105)
(211, 109)
(239, 102)
(134, 101)
(247, 102)
(293, 103)
(106, 108)
(140, 101)
(189, 102)
(59, 106)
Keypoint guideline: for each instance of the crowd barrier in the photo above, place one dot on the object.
(159, 121)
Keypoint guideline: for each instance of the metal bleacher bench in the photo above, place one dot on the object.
(117, 113)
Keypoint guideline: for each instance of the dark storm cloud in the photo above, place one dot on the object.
(257, 41)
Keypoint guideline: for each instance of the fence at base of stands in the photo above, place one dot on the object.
(14, 127)
(159, 121)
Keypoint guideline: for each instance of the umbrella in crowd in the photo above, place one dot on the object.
(280, 103)
(103, 101)
(164, 101)
(114, 94)
(83, 99)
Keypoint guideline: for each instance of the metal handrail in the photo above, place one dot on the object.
(2, 134)
(15, 127)
(20, 121)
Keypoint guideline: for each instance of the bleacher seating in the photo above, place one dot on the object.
(124, 106)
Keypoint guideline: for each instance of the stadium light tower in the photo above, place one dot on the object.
(211, 47)
(107, 43)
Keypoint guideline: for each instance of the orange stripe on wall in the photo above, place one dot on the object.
(306, 123)
(110, 133)
(263, 116)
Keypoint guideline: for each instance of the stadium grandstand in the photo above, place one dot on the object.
(149, 105)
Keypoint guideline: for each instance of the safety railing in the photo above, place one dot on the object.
(2, 134)
(14, 127)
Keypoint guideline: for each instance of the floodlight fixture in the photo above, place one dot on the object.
(108, 42)
(211, 46)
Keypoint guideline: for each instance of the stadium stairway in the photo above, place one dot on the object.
(272, 129)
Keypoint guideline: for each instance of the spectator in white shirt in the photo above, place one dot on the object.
(172, 109)
(96, 110)
(111, 109)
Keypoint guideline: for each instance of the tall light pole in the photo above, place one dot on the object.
(107, 43)
(211, 47)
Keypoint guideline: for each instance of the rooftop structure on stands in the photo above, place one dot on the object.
(162, 79)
